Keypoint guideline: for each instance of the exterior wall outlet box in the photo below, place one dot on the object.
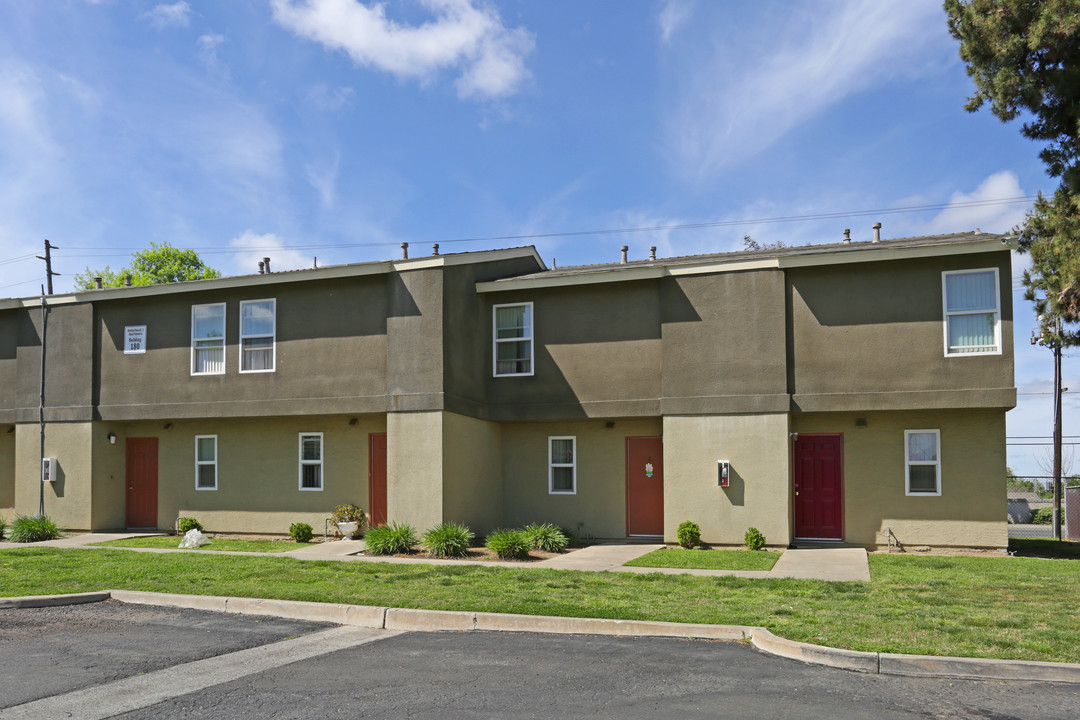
(723, 473)
(48, 469)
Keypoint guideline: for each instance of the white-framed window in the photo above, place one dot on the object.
(311, 461)
(258, 325)
(972, 312)
(922, 461)
(206, 462)
(512, 346)
(208, 339)
(562, 465)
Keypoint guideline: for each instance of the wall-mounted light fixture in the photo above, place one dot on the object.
(168, 426)
(354, 421)
(112, 438)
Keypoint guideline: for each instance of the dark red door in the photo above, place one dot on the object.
(141, 474)
(377, 478)
(819, 487)
(644, 486)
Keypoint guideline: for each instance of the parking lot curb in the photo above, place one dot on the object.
(408, 619)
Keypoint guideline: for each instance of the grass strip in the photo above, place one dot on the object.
(967, 606)
(219, 545)
(711, 559)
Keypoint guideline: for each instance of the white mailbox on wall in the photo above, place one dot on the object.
(48, 469)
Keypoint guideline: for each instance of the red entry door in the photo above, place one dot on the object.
(377, 478)
(819, 487)
(141, 475)
(644, 486)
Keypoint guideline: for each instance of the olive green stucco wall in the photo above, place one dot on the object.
(599, 506)
(756, 446)
(414, 468)
(872, 336)
(9, 343)
(971, 510)
(472, 472)
(331, 354)
(68, 498)
(69, 364)
(7, 470)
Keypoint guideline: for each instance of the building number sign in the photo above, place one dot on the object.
(134, 339)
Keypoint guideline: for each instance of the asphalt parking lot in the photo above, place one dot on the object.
(114, 660)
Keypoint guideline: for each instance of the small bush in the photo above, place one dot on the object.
(448, 540)
(34, 528)
(392, 539)
(508, 544)
(3, 528)
(546, 537)
(572, 538)
(753, 539)
(184, 524)
(1042, 516)
(689, 535)
(348, 513)
(301, 532)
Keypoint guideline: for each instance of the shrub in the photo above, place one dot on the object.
(184, 524)
(391, 539)
(3, 528)
(508, 544)
(546, 537)
(571, 536)
(348, 513)
(301, 532)
(689, 535)
(34, 528)
(1042, 516)
(448, 540)
(753, 539)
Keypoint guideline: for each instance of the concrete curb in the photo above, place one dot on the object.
(407, 619)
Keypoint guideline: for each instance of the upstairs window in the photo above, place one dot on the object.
(257, 330)
(972, 316)
(208, 339)
(923, 462)
(562, 465)
(206, 462)
(311, 461)
(513, 339)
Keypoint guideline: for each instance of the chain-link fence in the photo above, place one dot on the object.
(1031, 507)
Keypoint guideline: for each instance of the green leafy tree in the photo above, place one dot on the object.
(1024, 57)
(155, 265)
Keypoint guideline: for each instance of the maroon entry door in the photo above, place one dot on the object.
(141, 475)
(644, 486)
(819, 487)
(377, 478)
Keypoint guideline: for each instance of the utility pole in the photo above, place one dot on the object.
(41, 405)
(1054, 341)
(48, 264)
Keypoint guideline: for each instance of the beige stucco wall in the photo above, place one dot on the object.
(971, 510)
(599, 507)
(414, 467)
(472, 472)
(7, 471)
(757, 448)
(67, 499)
(258, 471)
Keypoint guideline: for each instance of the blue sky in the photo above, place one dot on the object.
(339, 129)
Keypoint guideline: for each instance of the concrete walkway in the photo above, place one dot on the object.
(841, 564)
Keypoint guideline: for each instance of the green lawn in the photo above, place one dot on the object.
(973, 606)
(172, 543)
(707, 559)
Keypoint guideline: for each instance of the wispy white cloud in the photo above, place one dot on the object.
(988, 218)
(169, 15)
(672, 16)
(207, 49)
(323, 177)
(251, 247)
(462, 36)
(324, 97)
(738, 98)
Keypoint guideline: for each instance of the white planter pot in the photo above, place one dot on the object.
(348, 529)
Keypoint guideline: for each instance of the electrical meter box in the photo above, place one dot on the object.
(48, 469)
(723, 472)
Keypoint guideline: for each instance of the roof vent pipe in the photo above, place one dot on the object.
(127, 281)
(847, 236)
(624, 249)
(404, 251)
(652, 253)
(266, 265)
(262, 268)
(97, 283)
(877, 232)
(435, 249)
